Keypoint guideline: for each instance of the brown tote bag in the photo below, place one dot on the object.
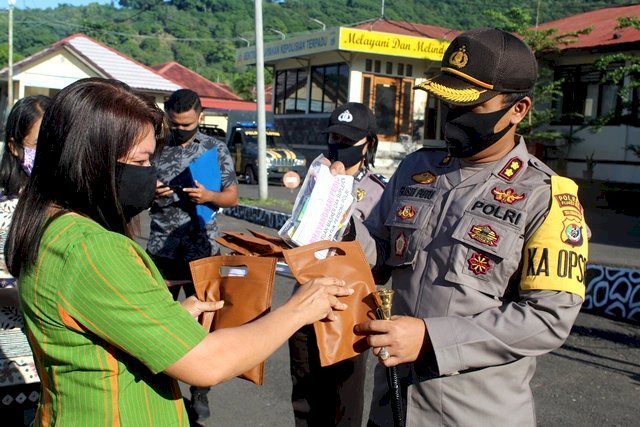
(245, 283)
(346, 261)
(252, 244)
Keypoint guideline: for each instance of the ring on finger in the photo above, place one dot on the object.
(383, 354)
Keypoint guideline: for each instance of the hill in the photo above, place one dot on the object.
(203, 34)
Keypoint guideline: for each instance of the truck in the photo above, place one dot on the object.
(242, 141)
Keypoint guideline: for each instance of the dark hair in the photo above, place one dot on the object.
(89, 125)
(370, 155)
(183, 100)
(22, 117)
(513, 97)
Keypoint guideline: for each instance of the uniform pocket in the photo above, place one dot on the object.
(407, 222)
(485, 254)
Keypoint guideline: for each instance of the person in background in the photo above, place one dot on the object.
(177, 234)
(21, 135)
(334, 395)
(110, 342)
(489, 248)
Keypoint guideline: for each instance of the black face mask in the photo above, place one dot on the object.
(136, 187)
(180, 136)
(349, 155)
(468, 133)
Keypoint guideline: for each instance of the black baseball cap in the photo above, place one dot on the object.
(352, 120)
(480, 64)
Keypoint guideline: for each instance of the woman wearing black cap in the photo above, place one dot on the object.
(334, 395)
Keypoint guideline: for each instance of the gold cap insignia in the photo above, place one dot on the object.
(459, 58)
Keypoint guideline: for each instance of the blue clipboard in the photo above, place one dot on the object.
(206, 170)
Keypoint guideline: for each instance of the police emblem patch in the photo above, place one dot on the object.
(511, 169)
(479, 263)
(406, 212)
(360, 193)
(484, 234)
(508, 196)
(459, 58)
(400, 244)
(424, 178)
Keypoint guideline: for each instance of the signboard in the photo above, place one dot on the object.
(306, 44)
(355, 40)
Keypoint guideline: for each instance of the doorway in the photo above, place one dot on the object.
(391, 100)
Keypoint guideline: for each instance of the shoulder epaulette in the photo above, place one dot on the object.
(379, 179)
(541, 166)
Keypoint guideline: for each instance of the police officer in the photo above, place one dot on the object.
(334, 395)
(488, 246)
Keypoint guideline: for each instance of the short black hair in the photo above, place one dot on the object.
(513, 97)
(183, 100)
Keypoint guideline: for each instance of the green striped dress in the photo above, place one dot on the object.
(103, 326)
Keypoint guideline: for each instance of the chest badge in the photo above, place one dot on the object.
(511, 169)
(571, 233)
(400, 245)
(484, 234)
(360, 193)
(406, 212)
(424, 178)
(508, 196)
(479, 263)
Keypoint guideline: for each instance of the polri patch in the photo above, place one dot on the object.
(360, 193)
(406, 212)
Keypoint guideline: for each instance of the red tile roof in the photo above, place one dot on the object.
(603, 23)
(187, 78)
(409, 29)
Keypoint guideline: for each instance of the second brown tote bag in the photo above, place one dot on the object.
(245, 283)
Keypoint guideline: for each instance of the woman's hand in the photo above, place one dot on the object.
(316, 299)
(195, 307)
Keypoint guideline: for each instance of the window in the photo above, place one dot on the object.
(290, 91)
(389, 68)
(329, 87)
(585, 97)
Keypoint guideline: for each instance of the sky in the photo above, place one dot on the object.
(44, 4)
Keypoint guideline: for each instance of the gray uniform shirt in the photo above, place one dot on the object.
(456, 248)
(175, 231)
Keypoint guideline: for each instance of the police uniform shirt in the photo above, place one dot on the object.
(368, 189)
(495, 264)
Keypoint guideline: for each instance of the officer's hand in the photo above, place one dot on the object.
(403, 337)
(197, 194)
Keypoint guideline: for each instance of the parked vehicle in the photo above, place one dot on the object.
(243, 145)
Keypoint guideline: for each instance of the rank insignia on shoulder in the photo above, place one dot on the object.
(479, 263)
(508, 196)
(484, 234)
(511, 169)
(400, 244)
(424, 178)
(360, 193)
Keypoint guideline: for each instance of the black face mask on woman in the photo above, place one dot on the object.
(349, 155)
(180, 136)
(468, 133)
(136, 187)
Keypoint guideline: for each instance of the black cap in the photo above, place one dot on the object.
(480, 64)
(352, 120)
